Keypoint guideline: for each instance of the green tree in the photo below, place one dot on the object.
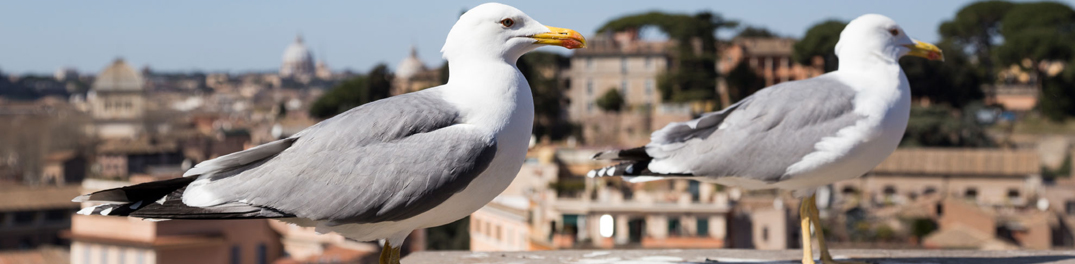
(611, 101)
(453, 236)
(955, 82)
(1057, 99)
(743, 81)
(1041, 32)
(975, 30)
(542, 72)
(756, 32)
(944, 126)
(820, 40)
(353, 92)
(692, 72)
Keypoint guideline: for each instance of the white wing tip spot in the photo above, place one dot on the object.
(106, 211)
(610, 172)
(591, 174)
(86, 211)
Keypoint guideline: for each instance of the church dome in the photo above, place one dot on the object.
(297, 52)
(118, 77)
(297, 60)
(410, 66)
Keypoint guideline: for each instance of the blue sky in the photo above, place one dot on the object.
(41, 36)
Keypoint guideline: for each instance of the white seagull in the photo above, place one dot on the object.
(795, 135)
(383, 169)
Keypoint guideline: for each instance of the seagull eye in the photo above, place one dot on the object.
(507, 22)
(894, 32)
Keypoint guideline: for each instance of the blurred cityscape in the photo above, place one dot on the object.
(986, 162)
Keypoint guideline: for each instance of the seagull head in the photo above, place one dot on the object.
(874, 34)
(501, 32)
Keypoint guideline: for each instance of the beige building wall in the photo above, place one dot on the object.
(499, 228)
(114, 240)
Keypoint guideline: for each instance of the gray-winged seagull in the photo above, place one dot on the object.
(383, 169)
(795, 135)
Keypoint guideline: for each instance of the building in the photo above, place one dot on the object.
(117, 102)
(64, 167)
(630, 65)
(769, 58)
(413, 75)
(982, 176)
(551, 205)
(974, 198)
(99, 239)
(298, 62)
(31, 217)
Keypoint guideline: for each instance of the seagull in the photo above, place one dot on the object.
(382, 169)
(795, 135)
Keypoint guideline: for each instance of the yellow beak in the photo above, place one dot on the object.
(925, 50)
(561, 37)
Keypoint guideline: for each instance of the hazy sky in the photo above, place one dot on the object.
(41, 36)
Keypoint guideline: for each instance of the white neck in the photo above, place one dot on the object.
(488, 92)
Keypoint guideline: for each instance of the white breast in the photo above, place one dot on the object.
(885, 103)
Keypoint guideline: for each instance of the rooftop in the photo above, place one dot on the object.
(742, 256)
(998, 162)
(16, 198)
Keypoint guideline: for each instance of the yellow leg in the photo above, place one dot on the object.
(395, 254)
(386, 253)
(804, 217)
(826, 258)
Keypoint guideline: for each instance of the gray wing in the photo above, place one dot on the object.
(760, 136)
(384, 161)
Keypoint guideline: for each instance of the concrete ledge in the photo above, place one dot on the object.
(741, 256)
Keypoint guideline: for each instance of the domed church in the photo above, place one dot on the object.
(298, 61)
(117, 101)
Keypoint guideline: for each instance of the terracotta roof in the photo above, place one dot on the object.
(961, 237)
(961, 162)
(17, 198)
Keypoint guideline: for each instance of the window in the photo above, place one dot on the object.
(649, 63)
(673, 227)
(649, 86)
(703, 226)
(56, 215)
(498, 234)
(765, 233)
(139, 257)
(889, 190)
(929, 190)
(236, 258)
(696, 194)
(623, 65)
(121, 258)
(86, 251)
(25, 217)
(1069, 207)
(1013, 193)
(589, 87)
(104, 254)
(971, 193)
(263, 257)
(589, 107)
(623, 88)
(849, 190)
(589, 63)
